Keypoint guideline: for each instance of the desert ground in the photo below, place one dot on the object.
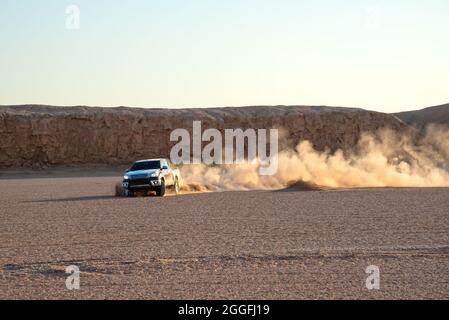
(223, 245)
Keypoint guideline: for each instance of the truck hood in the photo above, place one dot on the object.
(140, 174)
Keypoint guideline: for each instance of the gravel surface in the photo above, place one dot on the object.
(229, 245)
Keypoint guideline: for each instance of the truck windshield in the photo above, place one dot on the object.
(146, 165)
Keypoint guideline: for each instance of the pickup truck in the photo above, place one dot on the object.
(151, 175)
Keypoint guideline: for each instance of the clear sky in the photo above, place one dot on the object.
(386, 55)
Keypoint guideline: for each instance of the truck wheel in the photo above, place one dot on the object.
(176, 186)
(129, 193)
(160, 192)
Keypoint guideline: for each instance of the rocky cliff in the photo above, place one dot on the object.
(424, 117)
(35, 136)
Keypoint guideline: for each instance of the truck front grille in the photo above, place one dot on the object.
(139, 182)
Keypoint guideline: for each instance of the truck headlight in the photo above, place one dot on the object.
(125, 177)
(154, 174)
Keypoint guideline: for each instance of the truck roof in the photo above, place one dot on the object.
(156, 159)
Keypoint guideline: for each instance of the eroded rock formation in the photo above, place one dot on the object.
(33, 136)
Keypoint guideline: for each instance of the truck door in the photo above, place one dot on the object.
(168, 174)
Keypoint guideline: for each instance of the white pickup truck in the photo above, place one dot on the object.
(151, 175)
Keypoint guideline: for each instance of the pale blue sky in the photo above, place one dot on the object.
(382, 55)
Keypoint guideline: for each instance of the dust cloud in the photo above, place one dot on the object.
(385, 159)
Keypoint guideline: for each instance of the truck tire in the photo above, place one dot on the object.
(128, 193)
(160, 192)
